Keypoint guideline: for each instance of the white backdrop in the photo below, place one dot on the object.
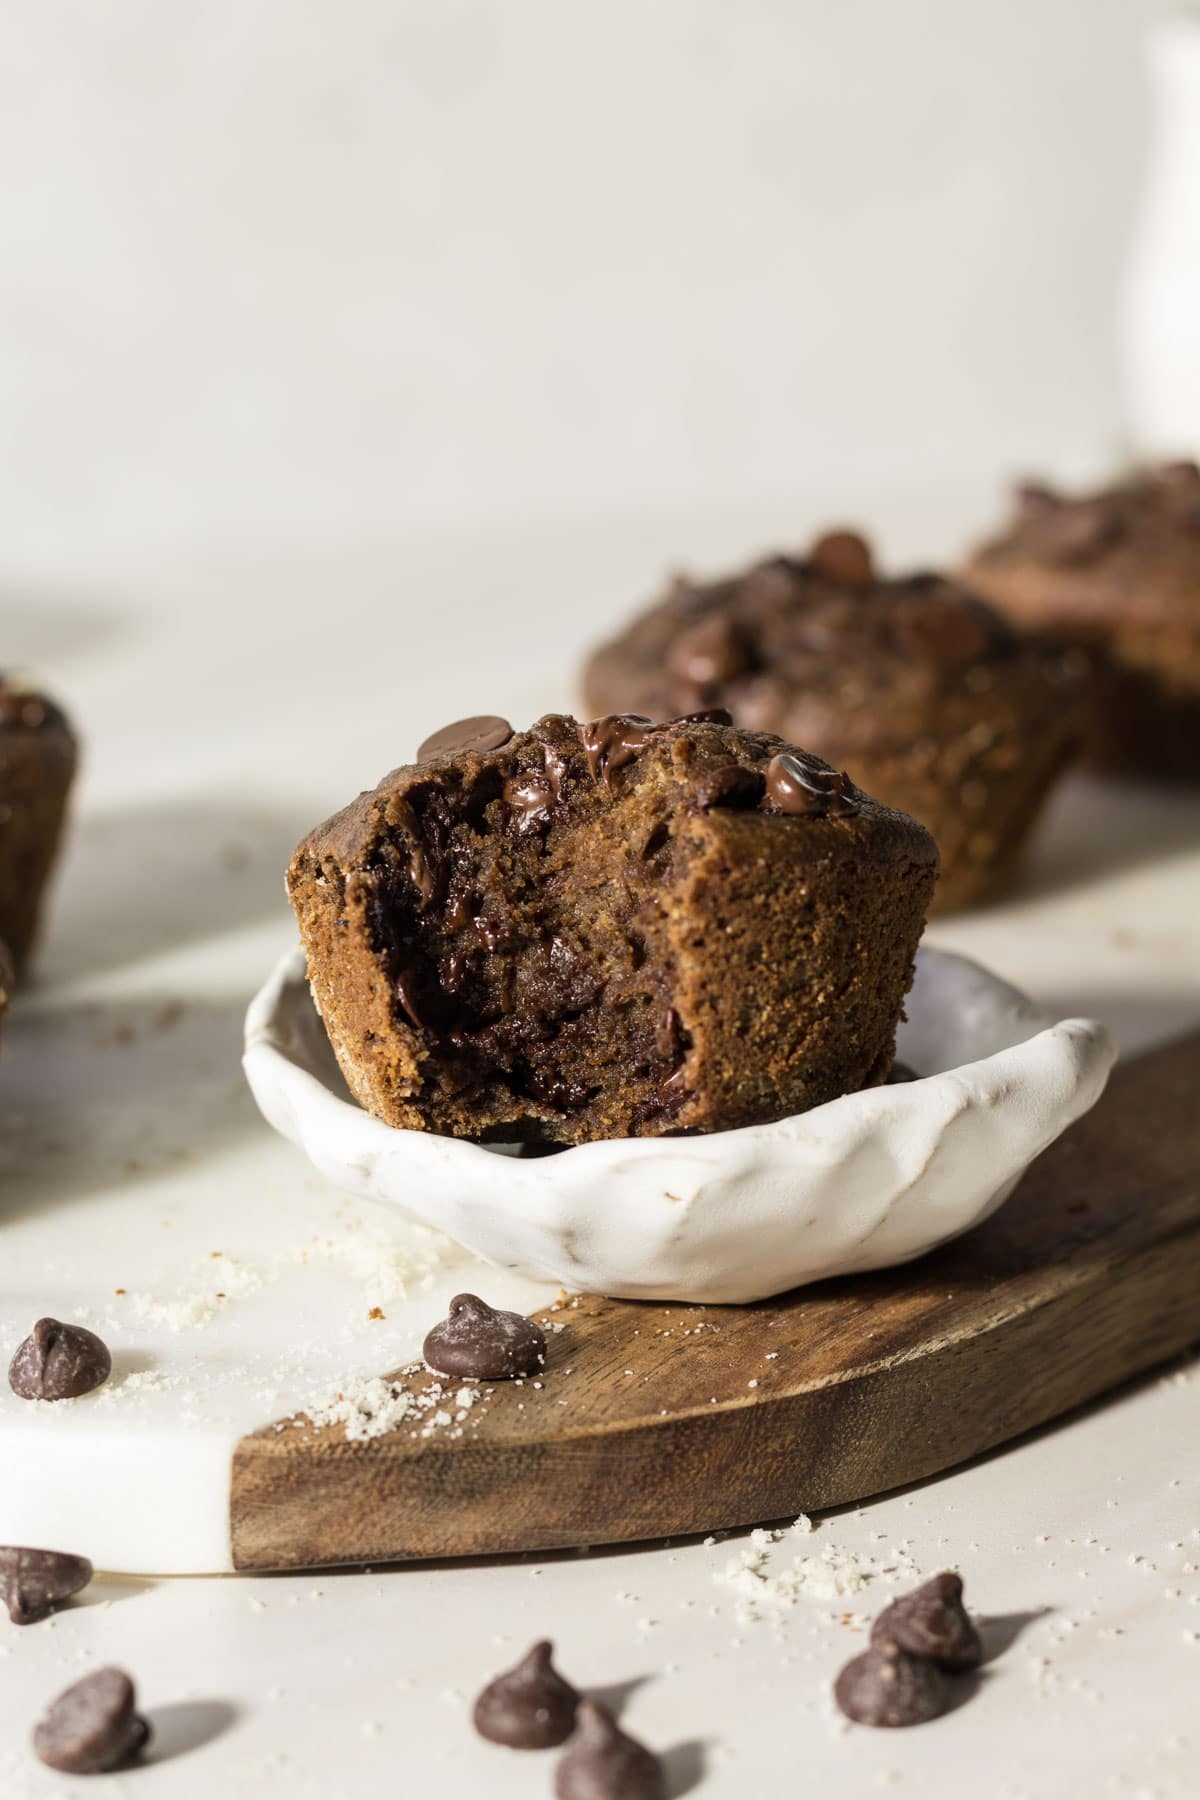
(292, 270)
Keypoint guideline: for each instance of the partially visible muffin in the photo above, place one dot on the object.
(927, 696)
(38, 755)
(610, 929)
(1116, 572)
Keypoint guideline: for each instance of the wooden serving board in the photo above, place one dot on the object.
(658, 1420)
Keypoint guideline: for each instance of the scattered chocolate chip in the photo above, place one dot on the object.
(478, 1340)
(93, 1726)
(34, 1582)
(733, 787)
(58, 1362)
(530, 1706)
(932, 1621)
(888, 1686)
(711, 651)
(612, 742)
(803, 787)
(486, 732)
(603, 1763)
(844, 557)
(900, 1072)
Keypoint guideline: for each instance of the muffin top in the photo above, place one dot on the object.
(827, 651)
(564, 771)
(1129, 549)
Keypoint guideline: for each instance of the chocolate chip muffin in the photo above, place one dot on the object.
(610, 929)
(37, 766)
(1116, 572)
(929, 698)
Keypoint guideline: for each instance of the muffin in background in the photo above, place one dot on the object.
(926, 695)
(1117, 573)
(38, 755)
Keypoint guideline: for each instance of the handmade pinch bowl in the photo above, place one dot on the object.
(863, 1182)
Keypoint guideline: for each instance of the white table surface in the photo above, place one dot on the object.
(228, 703)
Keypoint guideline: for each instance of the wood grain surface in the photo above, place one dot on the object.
(658, 1420)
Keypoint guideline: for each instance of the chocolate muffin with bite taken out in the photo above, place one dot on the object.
(1117, 573)
(931, 700)
(38, 755)
(610, 929)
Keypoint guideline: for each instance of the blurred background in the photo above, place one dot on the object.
(305, 271)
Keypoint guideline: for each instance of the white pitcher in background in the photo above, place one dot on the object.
(1160, 300)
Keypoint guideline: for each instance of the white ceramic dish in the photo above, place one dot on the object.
(872, 1179)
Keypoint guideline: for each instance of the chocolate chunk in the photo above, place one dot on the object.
(531, 796)
(734, 787)
(58, 1362)
(888, 1686)
(34, 1582)
(93, 1726)
(932, 1621)
(844, 557)
(714, 650)
(603, 1763)
(530, 1706)
(479, 1340)
(708, 715)
(1075, 531)
(804, 787)
(900, 1072)
(485, 732)
(613, 742)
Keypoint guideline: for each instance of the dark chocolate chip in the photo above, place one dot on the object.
(603, 1763)
(58, 1362)
(946, 632)
(530, 796)
(486, 732)
(932, 1621)
(888, 1686)
(712, 651)
(614, 741)
(802, 786)
(1075, 531)
(1034, 500)
(844, 557)
(93, 1726)
(34, 1582)
(530, 1706)
(733, 787)
(708, 715)
(900, 1072)
(478, 1340)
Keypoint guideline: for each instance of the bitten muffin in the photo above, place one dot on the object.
(1118, 573)
(38, 755)
(929, 698)
(611, 929)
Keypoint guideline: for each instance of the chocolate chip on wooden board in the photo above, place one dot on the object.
(59, 1362)
(888, 1686)
(530, 1706)
(33, 1583)
(92, 1727)
(603, 1763)
(482, 1342)
(932, 1621)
